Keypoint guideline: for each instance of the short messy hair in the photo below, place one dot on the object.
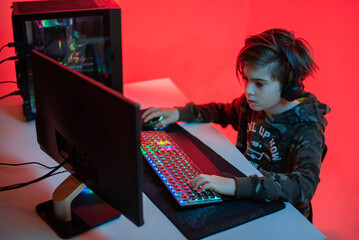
(290, 57)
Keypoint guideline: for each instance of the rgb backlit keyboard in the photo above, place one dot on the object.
(174, 168)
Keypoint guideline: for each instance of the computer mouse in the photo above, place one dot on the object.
(151, 125)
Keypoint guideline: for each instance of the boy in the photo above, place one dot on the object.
(280, 127)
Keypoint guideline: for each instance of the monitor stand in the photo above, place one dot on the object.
(75, 209)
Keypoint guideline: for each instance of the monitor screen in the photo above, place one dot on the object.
(92, 127)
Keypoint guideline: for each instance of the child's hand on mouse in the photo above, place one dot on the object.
(222, 185)
(170, 115)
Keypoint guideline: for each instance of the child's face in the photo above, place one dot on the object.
(262, 91)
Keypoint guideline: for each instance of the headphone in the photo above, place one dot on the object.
(294, 88)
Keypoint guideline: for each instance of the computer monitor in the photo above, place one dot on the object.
(84, 35)
(95, 132)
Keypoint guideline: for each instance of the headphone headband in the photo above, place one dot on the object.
(290, 56)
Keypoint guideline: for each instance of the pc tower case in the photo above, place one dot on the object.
(84, 35)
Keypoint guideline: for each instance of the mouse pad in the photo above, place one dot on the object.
(200, 222)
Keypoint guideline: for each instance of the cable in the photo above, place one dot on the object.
(20, 185)
(27, 163)
(12, 44)
(8, 82)
(17, 92)
(56, 173)
(9, 58)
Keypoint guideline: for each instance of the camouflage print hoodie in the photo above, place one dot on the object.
(286, 148)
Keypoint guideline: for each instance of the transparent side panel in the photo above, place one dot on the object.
(79, 43)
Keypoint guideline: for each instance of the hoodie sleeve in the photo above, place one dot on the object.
(296, 187)
(219, 113)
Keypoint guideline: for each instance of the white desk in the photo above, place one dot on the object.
(18, 219)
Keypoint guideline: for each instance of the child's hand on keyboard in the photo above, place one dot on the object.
(170, 115)
(222, 185)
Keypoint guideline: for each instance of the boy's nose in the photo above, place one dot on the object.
(249, 89)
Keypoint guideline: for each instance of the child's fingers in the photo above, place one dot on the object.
(148, 112)
(152, 115)
(207, 185)
(198, 181)
(167, 120)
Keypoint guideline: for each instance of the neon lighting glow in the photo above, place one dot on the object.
(87, 191)
(50, 23)
(60, 44)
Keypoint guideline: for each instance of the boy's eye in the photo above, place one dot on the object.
(259, 84)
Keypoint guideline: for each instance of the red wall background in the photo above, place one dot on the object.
(195, 43)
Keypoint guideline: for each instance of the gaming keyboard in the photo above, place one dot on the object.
(174, 168)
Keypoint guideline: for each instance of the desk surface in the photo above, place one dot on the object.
(18, 219)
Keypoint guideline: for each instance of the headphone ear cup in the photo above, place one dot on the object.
(293, 90)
